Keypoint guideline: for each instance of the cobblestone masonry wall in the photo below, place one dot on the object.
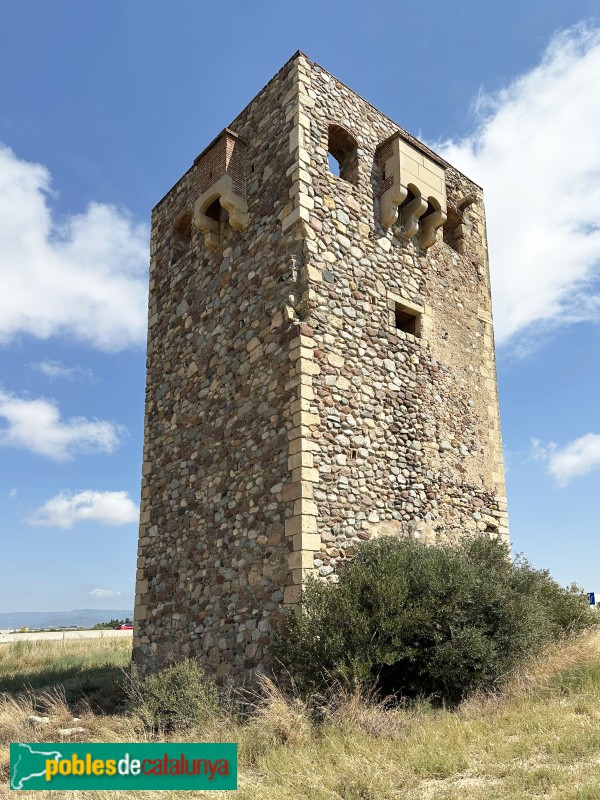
(287, 416)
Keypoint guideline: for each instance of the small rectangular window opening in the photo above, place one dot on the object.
(407, 320)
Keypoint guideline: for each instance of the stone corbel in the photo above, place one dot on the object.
(409, 217)
(409, 172)
(236, 207)
(429, 226)
(211, 230)
(389, 203)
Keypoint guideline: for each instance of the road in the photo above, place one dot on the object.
(61, 636)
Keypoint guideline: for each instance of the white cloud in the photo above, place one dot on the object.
(36, 425)
(13, 491)
(66, 509)
(104, 593)
(84, 276)
(56, 369)
(575, 459)
(536, 153)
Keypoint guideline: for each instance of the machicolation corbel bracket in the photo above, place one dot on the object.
(221, 170)
(412, 192)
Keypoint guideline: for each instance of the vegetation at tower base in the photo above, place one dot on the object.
(176, 698)
(411, 620)
(538, 737)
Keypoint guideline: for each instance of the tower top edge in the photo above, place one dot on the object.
(400, 131)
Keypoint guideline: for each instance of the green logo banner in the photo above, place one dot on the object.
(54, 767)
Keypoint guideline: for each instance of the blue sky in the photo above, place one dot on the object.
(102, 108)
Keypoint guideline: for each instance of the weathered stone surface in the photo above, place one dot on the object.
(289, 414)
(72, 731)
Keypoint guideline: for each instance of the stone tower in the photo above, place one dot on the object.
(320, 368)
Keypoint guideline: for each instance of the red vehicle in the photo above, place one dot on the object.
(124, 627)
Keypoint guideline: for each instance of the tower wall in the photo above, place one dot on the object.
(405, 436)
(288, 417)
(213, 556)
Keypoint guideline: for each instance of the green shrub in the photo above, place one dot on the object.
(417, 621)
(177, 697)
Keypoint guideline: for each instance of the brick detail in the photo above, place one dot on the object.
(225, 156)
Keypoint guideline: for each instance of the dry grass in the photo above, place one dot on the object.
(539, 739)
(25, 656)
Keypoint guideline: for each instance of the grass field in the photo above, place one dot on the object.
(91, 669)
(539, 739)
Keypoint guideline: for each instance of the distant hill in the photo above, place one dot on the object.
(80, 618)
